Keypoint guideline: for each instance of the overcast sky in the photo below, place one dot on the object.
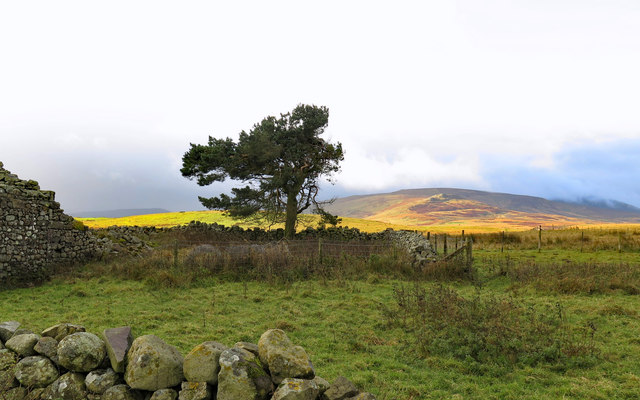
(100, 100)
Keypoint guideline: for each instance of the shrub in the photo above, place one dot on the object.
(488, 329)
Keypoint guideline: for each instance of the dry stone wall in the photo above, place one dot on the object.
(35, 233)
(64, 362)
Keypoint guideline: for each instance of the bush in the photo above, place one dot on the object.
(488, 329)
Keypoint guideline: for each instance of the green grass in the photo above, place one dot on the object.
(342, 319)
(341, 324)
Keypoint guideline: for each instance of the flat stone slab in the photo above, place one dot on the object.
(118, 341)
(60, 331)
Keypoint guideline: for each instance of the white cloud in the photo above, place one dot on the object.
(412, 86)
(408, 167)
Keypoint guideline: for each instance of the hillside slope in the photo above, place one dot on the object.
(445, 206)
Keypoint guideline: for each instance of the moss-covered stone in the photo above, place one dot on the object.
(153, 364)
(36, 371)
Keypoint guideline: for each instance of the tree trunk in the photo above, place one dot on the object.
(292, 214)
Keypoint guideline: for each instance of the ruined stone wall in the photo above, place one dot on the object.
(35, 234)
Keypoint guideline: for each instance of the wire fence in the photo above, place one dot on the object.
(317, 248)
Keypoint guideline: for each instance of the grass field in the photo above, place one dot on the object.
(559, 323)
(365, 225)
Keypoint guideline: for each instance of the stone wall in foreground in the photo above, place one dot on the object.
(66, 362)
(35, 233)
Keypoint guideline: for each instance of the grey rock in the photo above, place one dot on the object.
(202, 363)
(7, 329)
(195, 391)
(164, 394)
(121, 392)
(296, 389)
(252, 347)
(23, 344)
(48, 347)
(81, 352)
(284, 359)
(36, 371)
(118, 342)
(100, 380)
(69, 386)
(60, 331)
(152, 364)
(242, 376)
(21, 331)
(340, 389)
(322, 383)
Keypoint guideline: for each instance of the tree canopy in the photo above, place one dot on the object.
(281, 161)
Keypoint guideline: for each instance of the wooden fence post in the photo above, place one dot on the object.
(539, 238)
(435, 243)
(502, 243)
(581, 241)
(445, 244)
(320, 250)
(469, 244)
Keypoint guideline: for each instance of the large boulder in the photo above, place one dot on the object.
(202, 363)
(69, 386)
(23, 344)
(296, 389)
(121, 392)
(118, 342)
(153, 364)
(340, 389)
(195, 391)
(7, 329)
(242, 376)
(36, 371)
(81, 352)
(60, 331)
(284, 359)
(100, 380)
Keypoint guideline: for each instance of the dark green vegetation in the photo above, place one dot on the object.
(281, 159)
(556, 324)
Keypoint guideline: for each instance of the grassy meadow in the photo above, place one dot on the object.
(366, 225)
(561, 322)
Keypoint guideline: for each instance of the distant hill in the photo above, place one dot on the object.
(445, 206)
(119, 213)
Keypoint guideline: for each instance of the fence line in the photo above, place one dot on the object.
(295, 248)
